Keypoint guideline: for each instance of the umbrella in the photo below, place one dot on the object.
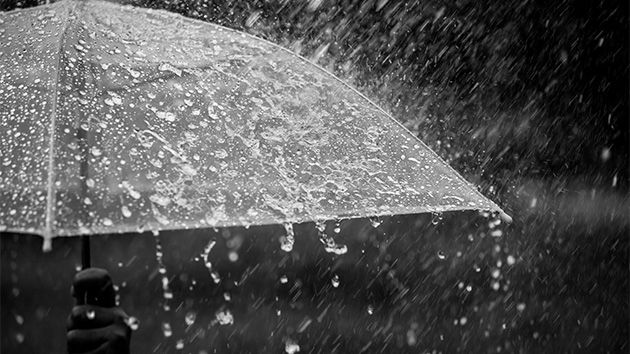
(119, 119)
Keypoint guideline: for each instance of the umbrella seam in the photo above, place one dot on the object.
(53, 118)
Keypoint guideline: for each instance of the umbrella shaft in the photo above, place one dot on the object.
(85, 252)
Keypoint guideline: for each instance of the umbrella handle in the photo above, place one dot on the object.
(85, 252)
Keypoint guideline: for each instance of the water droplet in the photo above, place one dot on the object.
(286, 242)
(171, 68)
(90, 314)
(133, 323)
(441, 255)
(436, 218)
(190, 318)
(216, 278)
(166, 329)
(496, 273)
(284, 279)
(335, 281)
(179, 345)
(96, 151)
(511, 260)
(370, 310)
(375, 221)
(291, 347)
(125, 211)
(225, 317)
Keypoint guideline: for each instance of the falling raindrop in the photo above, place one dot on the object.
(179, 345)
(286, 242)
(291, 347)
(133, 323)
(190, 318)
(436, 217)
(375, 221)
(370, 310)
(166, 329)
(335, 281)
(225, 317)
(216, 278)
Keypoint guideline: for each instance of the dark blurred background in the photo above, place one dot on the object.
(527, 99)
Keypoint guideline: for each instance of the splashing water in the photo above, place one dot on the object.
(225, 318)
(166, 329)
(180, 344)
(167, 293)
(287, 242)
(375, 221)
(133, 323)
(436, 217)
(291, 346)
(190, 318)
(205, 254)
(330, 245)
(335, 281)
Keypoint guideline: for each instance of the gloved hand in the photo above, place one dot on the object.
(96, 325)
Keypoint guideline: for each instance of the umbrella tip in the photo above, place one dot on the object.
(47, 244)
(505, 217)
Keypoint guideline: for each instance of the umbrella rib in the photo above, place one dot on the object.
(51, 146)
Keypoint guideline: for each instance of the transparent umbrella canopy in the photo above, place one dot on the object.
(119, 119)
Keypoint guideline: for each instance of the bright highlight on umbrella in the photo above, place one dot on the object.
(119, 119)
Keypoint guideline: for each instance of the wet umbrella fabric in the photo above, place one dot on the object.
(119, 119)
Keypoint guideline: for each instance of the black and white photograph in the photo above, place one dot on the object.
(314, 176)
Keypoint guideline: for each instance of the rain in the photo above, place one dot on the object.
(317, 176)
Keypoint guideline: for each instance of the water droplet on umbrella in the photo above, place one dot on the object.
(125, 211)
(96, 151)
